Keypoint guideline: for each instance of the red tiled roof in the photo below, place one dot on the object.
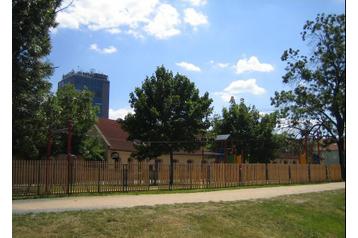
(114, 134)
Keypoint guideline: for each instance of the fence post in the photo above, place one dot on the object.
(99, 177)
(125, 177)
(38, 177)
(68, 177)
(327, 179)
(309, 173)
(266, 173)
(190, 171)
(208, 176)
(240, 174)
(289, 173)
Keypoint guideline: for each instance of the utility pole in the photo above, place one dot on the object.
(69, 160)
(69, 139)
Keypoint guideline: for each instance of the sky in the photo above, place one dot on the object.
(227, 47)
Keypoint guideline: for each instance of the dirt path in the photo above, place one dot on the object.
(120, 201)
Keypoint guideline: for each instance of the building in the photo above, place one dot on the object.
(119, 149)
(95, 82)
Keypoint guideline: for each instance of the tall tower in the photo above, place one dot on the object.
(94, 82)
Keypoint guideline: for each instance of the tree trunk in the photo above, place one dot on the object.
(342, 157)
(171, 170)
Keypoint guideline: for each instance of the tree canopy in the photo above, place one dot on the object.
(251, 133)
(70, 104)
(168, 113)
(31, 21)
(318, 98)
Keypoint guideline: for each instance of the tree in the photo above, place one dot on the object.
(70, 104)
(92, 148)
(169, 114)
(251, 133)
(31, 21)
(318, 98)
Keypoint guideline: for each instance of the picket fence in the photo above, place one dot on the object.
(51, 177)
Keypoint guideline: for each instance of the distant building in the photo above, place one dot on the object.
(119, 148)
(95, 82)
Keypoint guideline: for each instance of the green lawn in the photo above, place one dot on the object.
(308, 215)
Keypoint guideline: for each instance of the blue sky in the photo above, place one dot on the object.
(228, 48)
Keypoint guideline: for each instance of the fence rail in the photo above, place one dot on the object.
(42, 177)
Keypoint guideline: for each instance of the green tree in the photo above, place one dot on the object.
(169, 113)
(251, 133)
(92, 148)
(318, 98)
(70, 104)
(31, 21)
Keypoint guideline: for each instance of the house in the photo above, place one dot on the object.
(119, 149)
(328, 154)
(288, 158)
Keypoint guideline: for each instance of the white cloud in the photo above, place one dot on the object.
(133, 17)
(108, 50)
(252, 64)
(196, 2)
(164, 25)
(188, 66)
(119, 113)
(222, 65)
(219, 64)
(104, 14)
(241, 86)
(194, 18)
(114, 30)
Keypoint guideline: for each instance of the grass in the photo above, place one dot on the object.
(155, 191)
(306, 215)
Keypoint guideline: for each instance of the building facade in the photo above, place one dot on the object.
(119, 149)
(95, 82)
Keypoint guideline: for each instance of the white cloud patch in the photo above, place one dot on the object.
(114, 30)
(188, 66)
(241, 86)
(133, 17)
(196, 2)
(222, 65)
(164, 25)
(219, 64)
(108, 50)
(252, 64)
(105, 14)
(194, 18)
(119, 113)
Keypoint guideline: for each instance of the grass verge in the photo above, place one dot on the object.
(306, 215)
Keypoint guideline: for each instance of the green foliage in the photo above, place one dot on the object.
(70, 104)
(167, 108)
(31, 21)
(92, 148)
(318, 98)
(250, 132)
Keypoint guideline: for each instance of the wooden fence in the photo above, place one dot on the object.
(42, 177)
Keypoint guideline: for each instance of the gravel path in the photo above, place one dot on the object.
(120, 201)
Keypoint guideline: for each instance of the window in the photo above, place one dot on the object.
(115, 156)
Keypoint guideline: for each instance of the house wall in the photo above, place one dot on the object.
(183, 159)
(330, 157)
